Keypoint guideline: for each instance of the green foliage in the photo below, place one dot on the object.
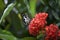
(7, 10)
(28, 38)
(33, 7)
(5, 35)
(15, 14)
(2, 5)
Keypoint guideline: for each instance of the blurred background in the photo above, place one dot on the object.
(15, 16)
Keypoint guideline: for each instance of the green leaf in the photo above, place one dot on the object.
(58, 2)
(6, 35)
(33, 7)
(17, 24)
(55, 15)
(39, 36)
(5, 32)
(58, 24)
(28, 38)
(2, 5)
(7, 10)
(42, 1)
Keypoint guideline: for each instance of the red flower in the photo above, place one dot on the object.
(37, 23)
(34, 27)
(51, 32)
(41, 16)
(58, 33)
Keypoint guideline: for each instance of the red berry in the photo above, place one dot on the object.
(58, 33)
(37, 23)
(51, 31)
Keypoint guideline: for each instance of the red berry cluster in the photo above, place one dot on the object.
(51, 32)
(38, 23)
(58, 34)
